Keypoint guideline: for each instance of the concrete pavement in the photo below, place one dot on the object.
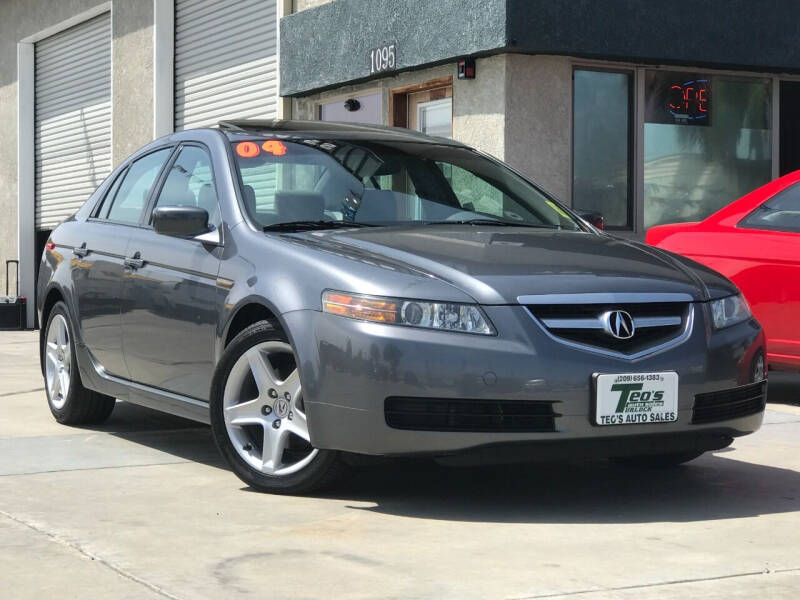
(142, 507)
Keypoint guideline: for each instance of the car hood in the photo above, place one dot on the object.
(498, 265)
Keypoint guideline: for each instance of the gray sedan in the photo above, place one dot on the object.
(321, 291)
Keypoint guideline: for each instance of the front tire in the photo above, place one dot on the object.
(69, 401)
(258, 416)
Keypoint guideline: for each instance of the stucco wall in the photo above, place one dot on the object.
(518, 109)
(131, 77)
(538, 115)
(426, 32)
(477, 104)
(132, 88)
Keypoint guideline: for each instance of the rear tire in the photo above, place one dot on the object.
(258, 416)
(657, 461)
(69, 401)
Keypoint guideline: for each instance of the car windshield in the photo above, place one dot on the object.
(330, 183)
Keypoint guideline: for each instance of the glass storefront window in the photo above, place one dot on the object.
(707, 141)
(601, 162)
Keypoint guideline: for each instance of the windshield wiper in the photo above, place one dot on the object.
(491, 222)
(310, 225)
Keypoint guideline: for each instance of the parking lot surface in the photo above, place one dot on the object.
(142, 507)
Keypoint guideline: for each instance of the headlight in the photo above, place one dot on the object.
(729, 311)
(448, 316)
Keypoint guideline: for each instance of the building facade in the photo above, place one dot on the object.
(631, 108)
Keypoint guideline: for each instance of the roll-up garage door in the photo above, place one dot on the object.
(72, 90)
(226, 63)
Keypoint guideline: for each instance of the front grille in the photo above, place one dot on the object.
(730, 404)
(444, 414)
(656, 323)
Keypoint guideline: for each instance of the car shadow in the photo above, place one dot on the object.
(710, 488)
(784, 388)
(715, 486)
(160, 431)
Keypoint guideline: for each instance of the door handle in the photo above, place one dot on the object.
(81, 250)
(134, 262)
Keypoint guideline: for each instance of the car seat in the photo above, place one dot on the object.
(379, 206)
(299, 206)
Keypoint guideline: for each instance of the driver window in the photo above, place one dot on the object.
(190, 183)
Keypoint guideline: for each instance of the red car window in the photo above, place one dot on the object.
(779, 213)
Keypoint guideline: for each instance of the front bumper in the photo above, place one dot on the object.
(350, 367)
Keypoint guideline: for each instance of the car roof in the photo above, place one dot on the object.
(325, 130)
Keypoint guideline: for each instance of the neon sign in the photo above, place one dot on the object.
(690, 100)
(677, 98)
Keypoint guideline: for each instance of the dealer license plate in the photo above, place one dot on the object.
(636, 398)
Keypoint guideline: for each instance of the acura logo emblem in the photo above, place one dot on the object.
(618, 324)
(281, 408)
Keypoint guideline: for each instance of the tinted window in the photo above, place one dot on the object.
(691, 170)
(129, 202)
(385, 183)
(601, 150)
(779, 213)
(109, 197)
(190, 183)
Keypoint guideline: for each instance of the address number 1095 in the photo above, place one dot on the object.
(382, 58)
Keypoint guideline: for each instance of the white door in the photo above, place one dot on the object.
(72, 113)
(226, 61)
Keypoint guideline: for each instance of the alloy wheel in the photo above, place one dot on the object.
(58, 361)
(263, 410)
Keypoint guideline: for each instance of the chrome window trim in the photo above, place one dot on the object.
(679, 339)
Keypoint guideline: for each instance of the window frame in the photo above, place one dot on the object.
(95, 216)
(633, 117)
(147, 216)
(420, 106)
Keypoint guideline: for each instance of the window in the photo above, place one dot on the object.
(779, 213)
(426, 107)
(435, 117)
(386, 183)
(102, 208)
(601, 153)
(190, 183)
(477, 195)
(128, 203)
(262, 181)
(706, 143)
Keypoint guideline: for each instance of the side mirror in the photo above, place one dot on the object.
(595, 219)
(180, 221)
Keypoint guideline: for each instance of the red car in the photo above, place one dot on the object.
(754, 241)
